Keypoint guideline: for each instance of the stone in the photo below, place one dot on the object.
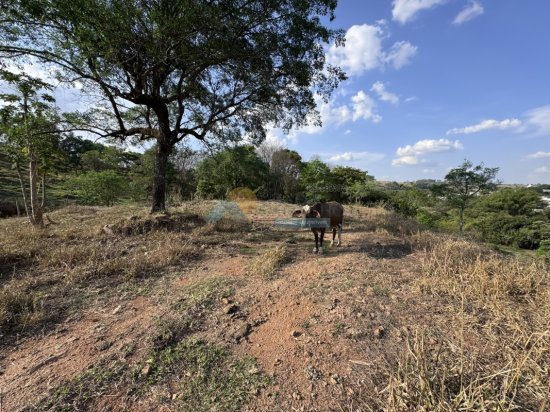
(230, 309)
(379, 332)
(296, 333)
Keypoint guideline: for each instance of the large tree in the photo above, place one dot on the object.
(169, 69)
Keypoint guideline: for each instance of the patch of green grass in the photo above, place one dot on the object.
(213, 380)
(207, 378)
(78, 394)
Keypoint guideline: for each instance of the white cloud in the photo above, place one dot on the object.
(383, 94)
(410, 154)
(351, 157)
(486, 125)
(471, 11)
(405, 10)
(411, 99)
(348, 131)
(542, 170)
(538, 155)
(405, 161)
(364, 50)
(539, 120)
(400, 54)
(363, 107)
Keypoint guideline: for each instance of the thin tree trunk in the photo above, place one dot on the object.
(23, 191)
(461, 220)
(17, 207)
(36, 210)
(43, 201)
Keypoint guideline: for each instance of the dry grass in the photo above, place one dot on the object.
(448, 378)
(494, 353)
(268, 263)
(19, 308)
(74, 252)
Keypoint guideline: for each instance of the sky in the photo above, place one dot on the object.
(431, 83)
(434, 82)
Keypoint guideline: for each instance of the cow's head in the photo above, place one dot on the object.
(306, 212)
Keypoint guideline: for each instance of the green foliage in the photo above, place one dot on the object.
(367, 192)
(544, 248)
(509, 217)
(99, 188)
(408, 201)
(285, 169)
(346, 177)
(318, 182)
(515, 202)
(229, 169)
(464, 183)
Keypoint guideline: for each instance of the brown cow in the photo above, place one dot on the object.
(327, 210)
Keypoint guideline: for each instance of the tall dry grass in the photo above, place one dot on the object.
(493, 352)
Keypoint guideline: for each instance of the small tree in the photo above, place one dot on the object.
(464, 183)
(28, 131)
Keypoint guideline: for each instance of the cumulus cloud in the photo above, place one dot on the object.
(538, 155)
(383, 94)
(405, 10)
(487, 125)
(364, 50)
(400, 54)
(364, 107)
(539, 120)
(542, 170)
(411, 154)
(471, 11)
(360, 107)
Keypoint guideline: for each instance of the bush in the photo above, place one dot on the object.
(100, 188)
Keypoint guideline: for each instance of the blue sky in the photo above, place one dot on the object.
(432, 82)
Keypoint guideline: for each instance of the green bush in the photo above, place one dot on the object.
(99, 188)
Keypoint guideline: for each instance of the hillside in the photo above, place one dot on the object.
(9, 183)
(168, 312)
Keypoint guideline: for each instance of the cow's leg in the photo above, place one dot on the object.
(322, 236)
(339, 235)
(333, 236)
(316, 248)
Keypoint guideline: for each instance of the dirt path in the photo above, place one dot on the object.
(40, 364)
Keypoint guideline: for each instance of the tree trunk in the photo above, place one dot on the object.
(43, 186)
(159, 183)
(36, 209)
(23, 191)
(461, 222)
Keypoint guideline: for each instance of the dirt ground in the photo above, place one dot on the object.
(324, 329)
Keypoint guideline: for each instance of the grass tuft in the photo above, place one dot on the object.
(268, 263)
